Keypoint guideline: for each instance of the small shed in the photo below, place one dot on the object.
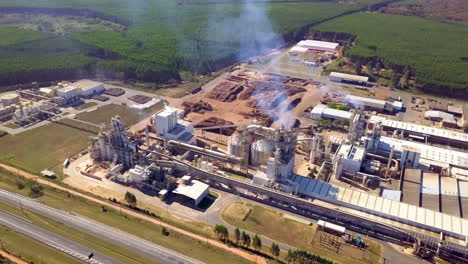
(48, 173)
(195, 190)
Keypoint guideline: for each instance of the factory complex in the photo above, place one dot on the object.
(411, 176)
(376, 164)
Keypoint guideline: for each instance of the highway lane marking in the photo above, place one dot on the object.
(31, 204)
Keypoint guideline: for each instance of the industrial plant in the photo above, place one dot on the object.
(411, 178)
(355, 161)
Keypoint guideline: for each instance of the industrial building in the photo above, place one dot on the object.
(296, 50)
(69, 93)
(30, 110)
(465, 116)
(348, 159)
(113, 145)
(171, 126)
(438, 116)
(420, 132)
(88, 88)
(370, 104)
(9, 99)
(348, 78)
(324, 112)
(193, 189)
(322, 46)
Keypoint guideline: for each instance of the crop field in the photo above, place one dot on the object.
(157, 39)
(42, 147)
(434, 50)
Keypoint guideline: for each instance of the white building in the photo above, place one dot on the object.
(438, 115)
(88, 88)
(366, 103)
(69, 93)
(170, 126)
(318, 45)
(296, 50)
(348, 78)
(138, 174)
(348, 158)
(322, 111)
(9, 99)
(193, 189)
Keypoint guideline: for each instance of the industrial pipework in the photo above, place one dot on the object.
(208, 152)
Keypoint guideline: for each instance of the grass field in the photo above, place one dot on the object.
(42, 147)
(435, 50)
(130, 116)
(94, 243)
(274, 225)
(165, 37)
(114, 218)
(32, 251)
(86, 105)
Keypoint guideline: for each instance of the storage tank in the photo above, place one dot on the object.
(235, 145)
(260, 152)
(9, 99)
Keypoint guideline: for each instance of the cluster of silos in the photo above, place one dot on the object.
(235, 145)
(260, 152)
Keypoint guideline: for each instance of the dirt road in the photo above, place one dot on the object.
(216, 243)
(12, 257)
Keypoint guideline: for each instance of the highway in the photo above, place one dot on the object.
(104, 232)
(64, 245)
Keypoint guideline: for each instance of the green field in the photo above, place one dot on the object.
(43, 147)
(129, 116)
(161, 38)
(32, 251)
(136, 226)
(275, 225)
(434, 50)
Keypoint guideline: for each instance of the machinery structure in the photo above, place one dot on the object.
(113, 145)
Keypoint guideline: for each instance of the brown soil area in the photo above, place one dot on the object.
(263, 97)
(215, 121)
(446, 9)
(226, 92)
(198, 107)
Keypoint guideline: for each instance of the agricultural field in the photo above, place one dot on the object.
(435, 51)
(152, 40)
(440, 9)
(129, 116)
(43, 147)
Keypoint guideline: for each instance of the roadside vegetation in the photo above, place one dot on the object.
(30, 250)
(275, 225)
(407, 51)
(36, 252)
(136, 226)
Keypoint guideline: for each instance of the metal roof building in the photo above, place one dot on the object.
(386, 208)
(366, 103)
(433, 134)
(438, 115)
(318, 45)
(322, 111)
(193, 189)
(429, 154)
(343, 77)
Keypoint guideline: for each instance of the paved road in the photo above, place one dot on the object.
(112, 235)
(53, 240)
